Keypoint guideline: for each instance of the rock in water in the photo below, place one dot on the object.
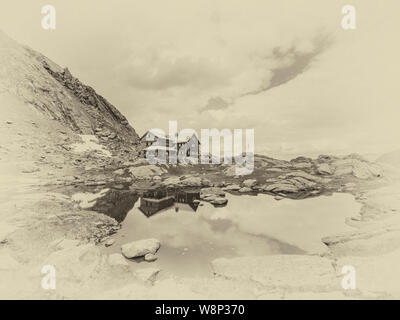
(219, 201)
(249, 183)
(211, 191)
(140, 248)
(232, 187)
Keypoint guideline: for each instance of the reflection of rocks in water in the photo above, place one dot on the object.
(156, 200)
(116, 203)
(192, 206)
(187, 200)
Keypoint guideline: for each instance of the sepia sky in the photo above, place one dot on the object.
(285, 68)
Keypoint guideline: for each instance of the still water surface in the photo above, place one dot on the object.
(247, 226)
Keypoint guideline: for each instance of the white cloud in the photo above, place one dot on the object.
(159, 61)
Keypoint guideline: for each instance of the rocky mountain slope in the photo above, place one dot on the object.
(39, 83)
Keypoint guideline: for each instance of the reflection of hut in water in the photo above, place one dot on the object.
(187, 196)
(186, 206)
(155, 200)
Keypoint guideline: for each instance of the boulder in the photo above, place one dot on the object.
(206, 183)
(363, 170)
(358, 168)
(232, 187)
(192, 181)
(146, 172)
(185, 181)
(220, 184)
(293, 182)
(140, 248)
(324, 169)
(171, 181)
(237, 170)
(244, 189)
(208, 197)
(211, 191)
(150, 257)
(249, 183)
(109, 242)
(219, 201)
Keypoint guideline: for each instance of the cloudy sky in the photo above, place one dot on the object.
(285, 68)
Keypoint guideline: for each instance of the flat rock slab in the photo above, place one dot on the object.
(75, 263)
(140, 248)
(287, 272)
(375, 274)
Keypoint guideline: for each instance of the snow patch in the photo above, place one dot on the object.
(90, 143)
